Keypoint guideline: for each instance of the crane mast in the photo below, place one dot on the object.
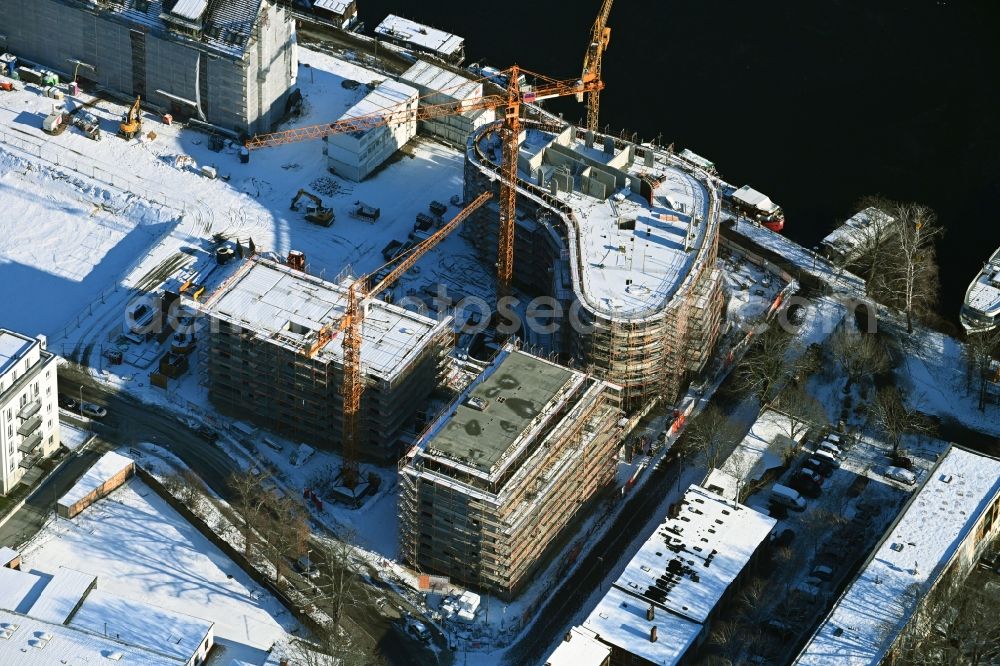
(600, 37)
(359, 291)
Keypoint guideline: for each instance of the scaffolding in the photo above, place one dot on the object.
(492, 529)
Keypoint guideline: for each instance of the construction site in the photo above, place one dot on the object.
(230, 64)
(494, 481)
(268, 365)
(624, 235)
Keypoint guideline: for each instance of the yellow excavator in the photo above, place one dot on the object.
(131, 121)
(315, 212)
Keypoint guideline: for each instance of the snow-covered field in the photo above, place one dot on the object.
(141, 549)
(64, 241)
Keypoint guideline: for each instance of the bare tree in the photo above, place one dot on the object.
(710, 436)
(286, 531)
(893, 418)
(250, 500)
(858, 354)
(980, 350)
(801, 409)
(767, 364)
(913, 286)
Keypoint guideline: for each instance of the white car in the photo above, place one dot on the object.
(901, 475)
(93, 411)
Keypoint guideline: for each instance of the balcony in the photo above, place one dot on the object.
(31, 443)
(30, 409)
(29, 461)
(29, 426)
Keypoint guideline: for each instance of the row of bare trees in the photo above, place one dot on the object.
(275, 527)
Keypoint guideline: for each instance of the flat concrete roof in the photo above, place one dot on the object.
(13, 346)
(510, 397)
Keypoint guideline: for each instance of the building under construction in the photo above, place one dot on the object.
(625, 238)
(489, 488)
(262, 323)
(231, 64)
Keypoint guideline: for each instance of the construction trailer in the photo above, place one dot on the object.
(355, 155)
(419, 37)
(623, 236)
(231, 64)
(264, 318)
(498, 477)
(441, 86)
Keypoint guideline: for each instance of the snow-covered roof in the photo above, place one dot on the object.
(288, 307)
(166, 632)
(579, 648)
(620, 620)
(758, 452)
(755, 199)
(13, 346)
(26, 641)
(429, 76)
(225, 26)
(61, 595)
(873, 610)
(105, 468)
(690, 561)
(7, 554)
(386, 96)
(431, 39)
(629, 255)
(846, 239)
(335, 6)
(984, 291)
(190, 9)
(18, 589)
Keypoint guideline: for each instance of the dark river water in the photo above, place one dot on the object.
(814, 102)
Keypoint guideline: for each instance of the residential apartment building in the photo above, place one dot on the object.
(29, 408)
(499, 476)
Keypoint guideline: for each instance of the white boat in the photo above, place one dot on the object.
(981, 310)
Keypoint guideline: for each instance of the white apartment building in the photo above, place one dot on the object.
(355, 155)
(29, 412)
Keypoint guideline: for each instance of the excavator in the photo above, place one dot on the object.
(315, 212)
(131, 121)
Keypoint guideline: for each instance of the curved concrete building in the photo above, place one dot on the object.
(625, 238)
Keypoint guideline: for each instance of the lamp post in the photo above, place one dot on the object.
(79, 405)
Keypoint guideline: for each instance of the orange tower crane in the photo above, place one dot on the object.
(357, 293)
(510, 102)
(600, 37)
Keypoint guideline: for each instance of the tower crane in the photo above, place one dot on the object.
(600, 37)
(509, 104)
(358, 293)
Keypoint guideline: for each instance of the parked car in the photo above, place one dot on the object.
(822, 572)
(305, 567)
(93, 411)
(783, 538)
(419, 631)
(779, 628)
(899, 474)
(787, 497)
(812, 475)
(825, 454)
(821, 466)
(830, 448)
(67, 402)
(810, 592)
(805, 486)
(899, 460)
(207, 433)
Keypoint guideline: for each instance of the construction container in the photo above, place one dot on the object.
(209, 172)
(438, 208)
(74, 88)
(8, 63)
(29, 75)
(50, 78)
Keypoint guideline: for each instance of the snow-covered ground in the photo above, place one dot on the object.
(934, 376)
(141, 549)
(64, 241)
